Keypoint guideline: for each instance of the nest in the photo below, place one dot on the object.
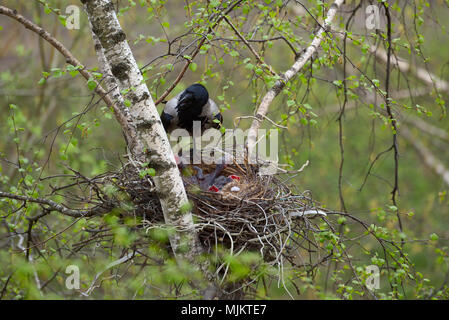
(264, 215)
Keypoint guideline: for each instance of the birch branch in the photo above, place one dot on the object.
(429, 159)
(427, 127)
(117, 262)
(297, 66)
(70, 58)
(405, 67)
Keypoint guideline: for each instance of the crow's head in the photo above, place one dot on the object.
(194, 96)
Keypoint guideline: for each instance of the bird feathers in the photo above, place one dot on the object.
(193, 104)
(166, 120)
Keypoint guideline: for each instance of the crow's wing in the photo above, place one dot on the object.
(166, 120)
(169, 115)
(170, 106)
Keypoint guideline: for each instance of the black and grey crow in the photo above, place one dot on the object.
(192, 104)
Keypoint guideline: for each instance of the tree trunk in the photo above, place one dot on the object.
(147, 140)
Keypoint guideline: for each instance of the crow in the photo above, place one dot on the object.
(192, 104)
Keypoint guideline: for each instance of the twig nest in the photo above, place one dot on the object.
(250, 211)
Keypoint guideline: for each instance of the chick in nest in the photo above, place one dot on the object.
(213, 181)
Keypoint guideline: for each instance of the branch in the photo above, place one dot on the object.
(393, 120)
(259, 59)
(51, 40)
(5, 286)
(427, 127)
(429, 159)
(405, 67)
(54, 206)
(297, 66)
(402, 94)
(124, 259)
(197, 50)
(398, 95)
(70, 58)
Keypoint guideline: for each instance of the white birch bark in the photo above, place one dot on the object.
(427, 156)
(280, 84)
(405, 67)
(147, 139)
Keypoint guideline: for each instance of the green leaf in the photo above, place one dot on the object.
(73, 71)
(393, 208)
(91, 84)
(147, 172)
(291, 103)
(434, 237)
(214, 3)
(57, 73)
(234, 53)
(63, 20)
(337, 83)
(186, 207)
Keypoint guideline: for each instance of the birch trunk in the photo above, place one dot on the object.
(147, 140)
